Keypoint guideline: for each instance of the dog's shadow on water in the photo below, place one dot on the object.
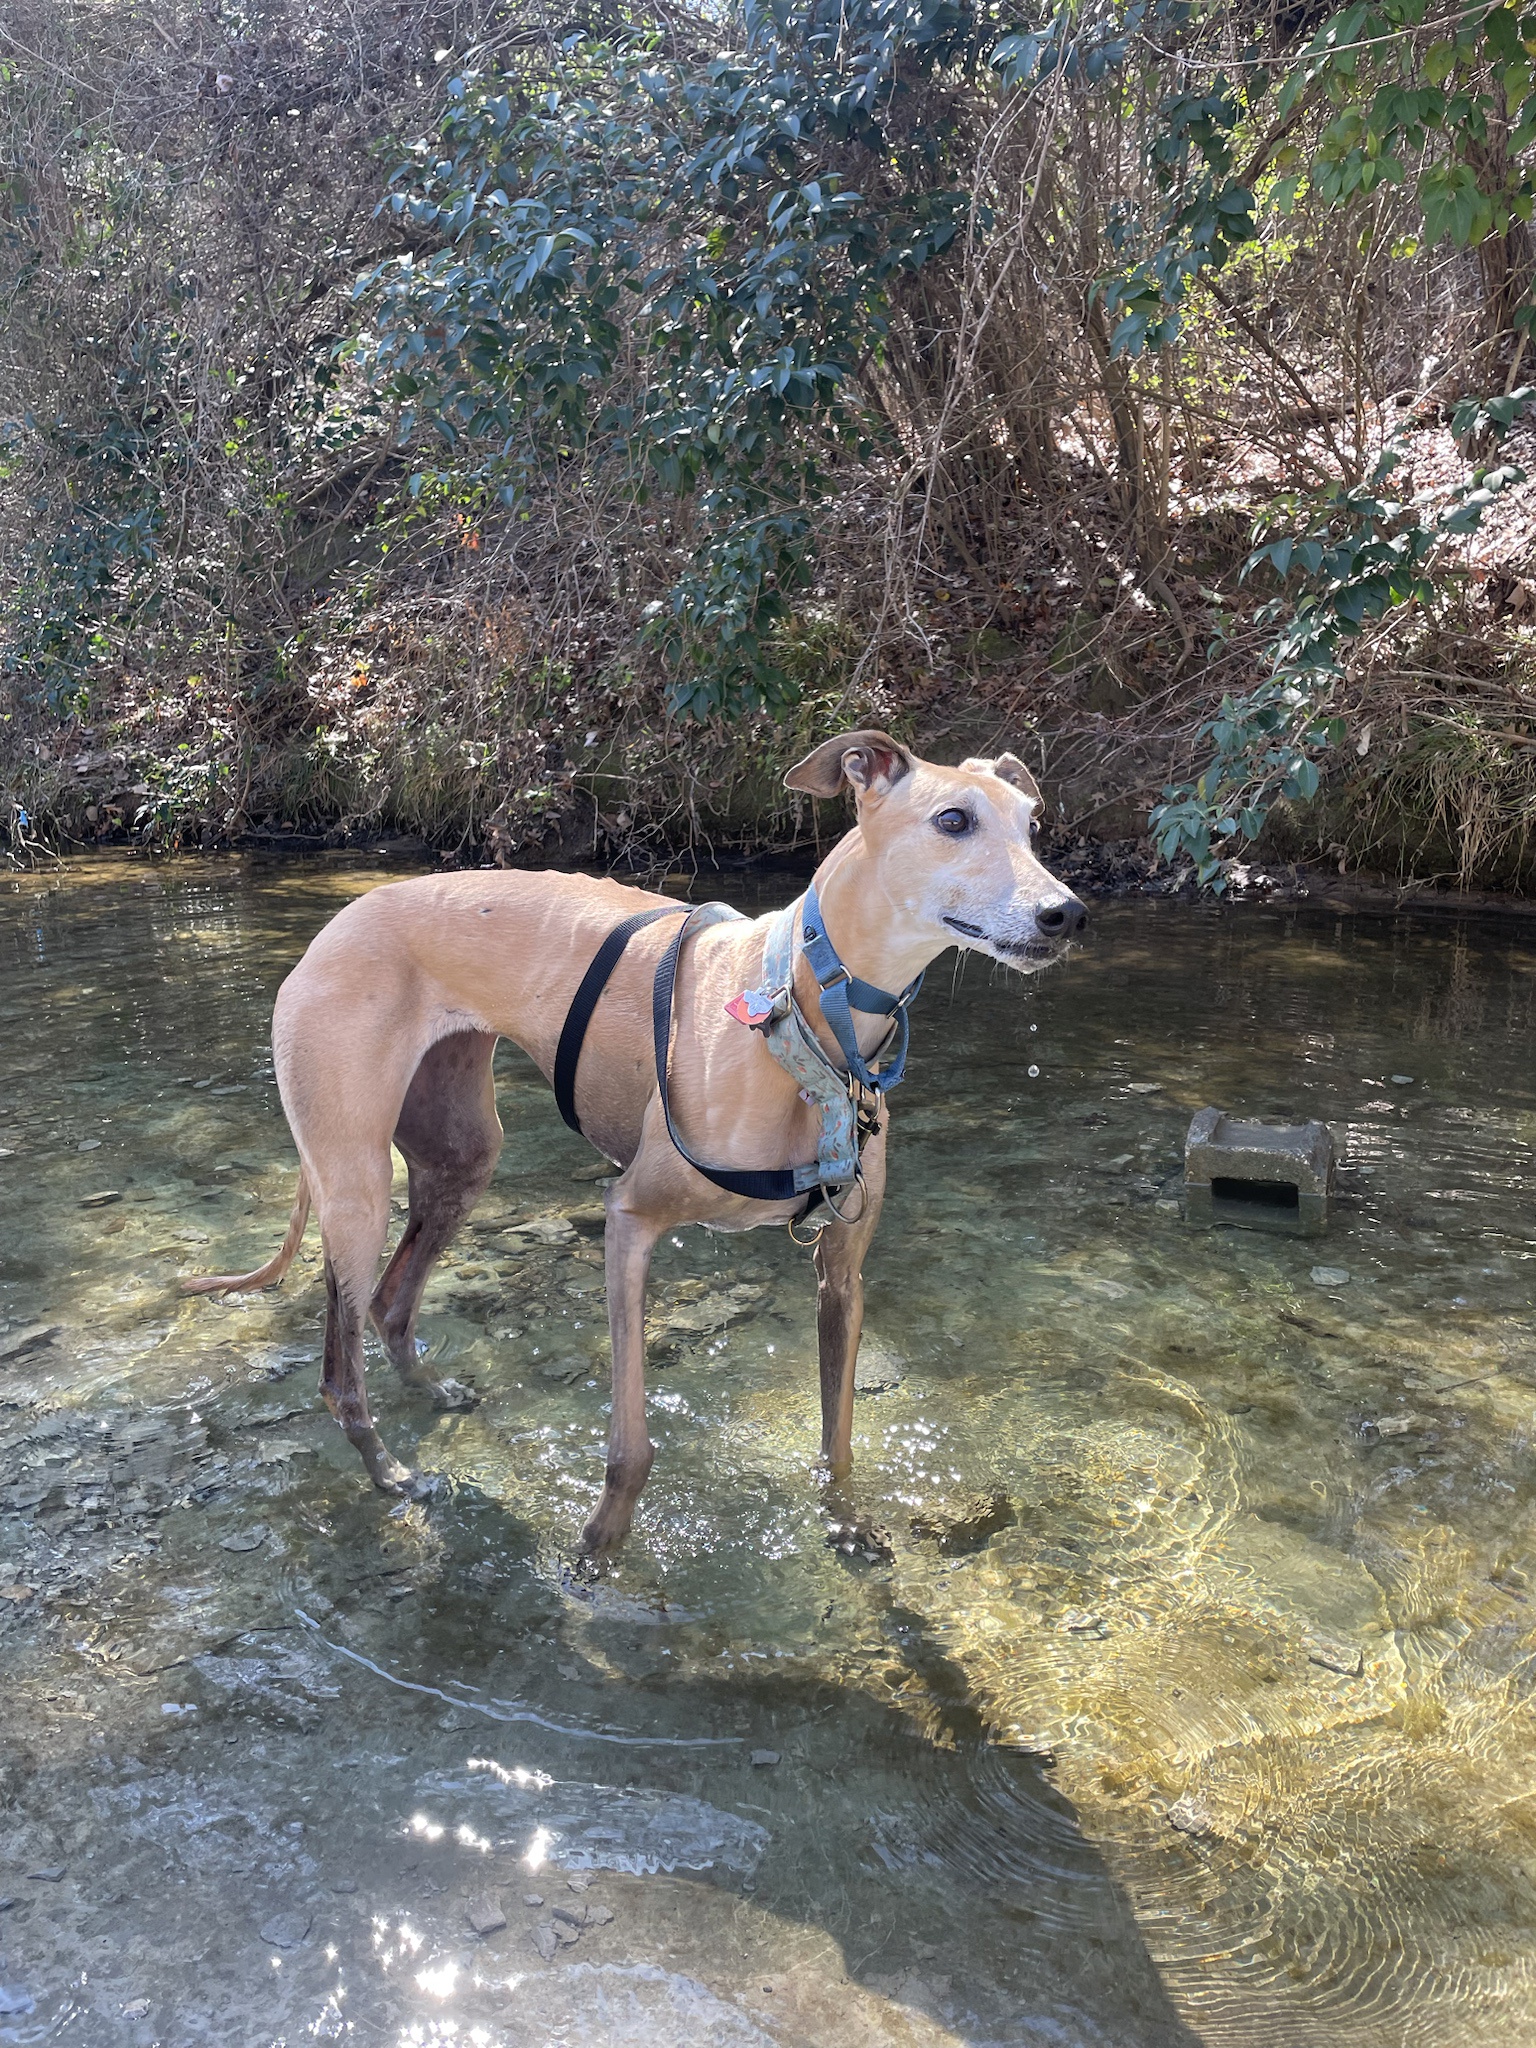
(549, 1720)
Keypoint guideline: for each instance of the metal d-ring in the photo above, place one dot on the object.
(822, 1220)
(858, 1181)
(806, 1244)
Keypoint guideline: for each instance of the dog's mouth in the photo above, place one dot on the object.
(1034, 951)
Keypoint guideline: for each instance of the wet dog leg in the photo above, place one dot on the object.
(353, 1232)
(631, 1238)
(450, 1137)
(839, 1261)
(840, 1253)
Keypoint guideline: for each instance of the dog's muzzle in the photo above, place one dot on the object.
(1057, 924)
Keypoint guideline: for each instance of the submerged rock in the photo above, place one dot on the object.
(878, 1370)
(862, 1539)
(287, 1930)
(1345, 1658)
(30, 1338)
(713, 1312)
(1083, 1621)
(591, 1218)
(538, 1230)
(1390, 1425)
(1191, 1816)
(966, 1522)
(583, 1827)
(1395, 1424)
(565, 1372)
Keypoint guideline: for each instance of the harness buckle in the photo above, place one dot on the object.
(838, 976)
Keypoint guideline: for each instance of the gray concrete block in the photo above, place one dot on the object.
(1263, 1176)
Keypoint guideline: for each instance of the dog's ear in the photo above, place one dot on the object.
(1008, 768)
(872, 761)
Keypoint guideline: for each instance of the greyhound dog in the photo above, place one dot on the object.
(384, 1033)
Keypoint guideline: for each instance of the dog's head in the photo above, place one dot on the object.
(953, 847)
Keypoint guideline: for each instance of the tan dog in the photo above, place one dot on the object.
(385, 1029)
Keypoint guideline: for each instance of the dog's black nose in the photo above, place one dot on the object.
(1063, 919)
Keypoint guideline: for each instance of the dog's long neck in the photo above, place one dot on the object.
(875, 937)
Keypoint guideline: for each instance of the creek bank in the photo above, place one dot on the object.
(1097, 868)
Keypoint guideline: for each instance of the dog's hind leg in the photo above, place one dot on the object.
(450, 1137)
(353, 1222)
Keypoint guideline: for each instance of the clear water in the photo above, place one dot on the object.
(1227, 1734)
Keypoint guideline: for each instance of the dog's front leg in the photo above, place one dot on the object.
(629, 1242)
(840, 1253)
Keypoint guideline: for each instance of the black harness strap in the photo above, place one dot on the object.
(767, 1184)
(574, 1031)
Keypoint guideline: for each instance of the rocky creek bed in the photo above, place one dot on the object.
(1186, 1699)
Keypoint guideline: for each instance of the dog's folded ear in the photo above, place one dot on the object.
(872, 761)
(1007, 768)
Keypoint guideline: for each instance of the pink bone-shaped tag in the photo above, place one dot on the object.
(751, 1008)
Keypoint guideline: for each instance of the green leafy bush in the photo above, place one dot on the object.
(660, 269)
(1360, 554)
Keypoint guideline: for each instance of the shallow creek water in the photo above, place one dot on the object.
(1196, 1706)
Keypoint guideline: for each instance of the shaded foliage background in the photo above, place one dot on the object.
(452, 420)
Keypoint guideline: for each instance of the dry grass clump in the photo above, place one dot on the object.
(1445, 790)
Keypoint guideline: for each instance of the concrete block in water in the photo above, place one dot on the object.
(1266, 1176)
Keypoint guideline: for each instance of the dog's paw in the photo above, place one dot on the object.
(866, 1541)
(452, 1397)
(390, 1476)
(578, 1575)
(602, 1535)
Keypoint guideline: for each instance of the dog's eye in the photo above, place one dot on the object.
(956, 823)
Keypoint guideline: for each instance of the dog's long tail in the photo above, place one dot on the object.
(274, 1269)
